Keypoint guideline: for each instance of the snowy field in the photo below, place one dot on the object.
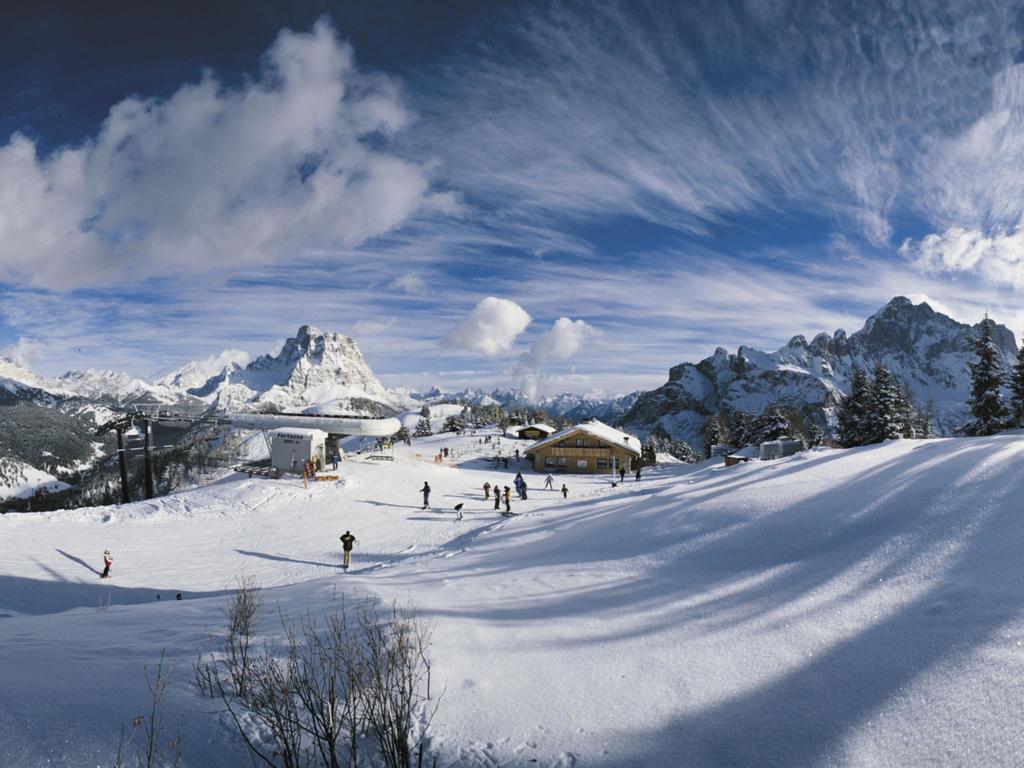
(839, 608)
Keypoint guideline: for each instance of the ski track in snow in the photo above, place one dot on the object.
(840, 608)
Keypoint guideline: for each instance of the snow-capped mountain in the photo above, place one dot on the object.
(924, 349)
(314, 367)
(111, 386)
(567, 405)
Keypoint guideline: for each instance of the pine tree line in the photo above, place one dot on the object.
(880, 408)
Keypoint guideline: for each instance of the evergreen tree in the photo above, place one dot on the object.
(712, 435)
(741, 426)
(924, 422)
(815, 436)
(453, 424)
(883, 420)
(1017, 389)
(425, 411)
(986, 401)
(401, 435)
(853, 411)
(770, 425)
(423, 428)
(906, 413)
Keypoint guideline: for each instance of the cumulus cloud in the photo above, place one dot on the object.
(490, 329)
(216, 176)
(25, 352)
(996, 257)
(562, 341)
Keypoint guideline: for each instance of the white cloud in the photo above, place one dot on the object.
(490, 329)
(998, 257)
(216, 176)
(25, 352)
(375, 326)
(409, 283)
(563, 340)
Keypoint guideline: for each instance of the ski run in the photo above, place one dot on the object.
(859, 607)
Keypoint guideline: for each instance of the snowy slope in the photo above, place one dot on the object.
(927, 351)
(840, 608)
(19, 479)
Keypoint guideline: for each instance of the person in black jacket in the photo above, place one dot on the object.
(497, 496)
(346, 545)
(426, 494)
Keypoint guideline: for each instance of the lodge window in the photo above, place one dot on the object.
(549, 461)
(581, 442)
(602, 463)
(581, 463)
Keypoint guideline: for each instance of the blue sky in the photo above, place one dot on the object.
(563, 196)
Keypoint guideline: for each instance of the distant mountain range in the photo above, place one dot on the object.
(51, 420)
(926, 350)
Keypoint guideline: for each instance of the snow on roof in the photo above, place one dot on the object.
(298, 431)
(599, 430)
(542, 427)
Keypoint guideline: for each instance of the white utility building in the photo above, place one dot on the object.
(290, 447)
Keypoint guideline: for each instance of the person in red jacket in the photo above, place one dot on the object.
(108, 560)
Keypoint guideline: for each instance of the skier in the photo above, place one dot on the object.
(458, 509)
(517, 454)
(335, 458)
(108, 560)
(425, 490)
(522, 489)
(638, 473)
(346, 545)
(497, 496)
(622, 474)
(508, 501)
(549, 483)
(487, 491)
(565, 491)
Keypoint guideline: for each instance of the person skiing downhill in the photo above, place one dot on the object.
(346, 545)
(549, 483)
(425, 490)
(565, 491)
(108, 560)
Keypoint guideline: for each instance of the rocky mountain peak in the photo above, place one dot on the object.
(927, 351)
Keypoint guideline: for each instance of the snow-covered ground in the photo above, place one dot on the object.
(861, 607)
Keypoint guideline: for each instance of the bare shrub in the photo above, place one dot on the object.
(152, 752)
(329, 691)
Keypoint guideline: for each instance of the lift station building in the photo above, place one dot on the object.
(291, 446)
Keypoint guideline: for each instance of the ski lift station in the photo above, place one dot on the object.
(290, 447)
(779, 449)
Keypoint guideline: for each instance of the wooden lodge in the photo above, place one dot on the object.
(588, 448)
(532, 431)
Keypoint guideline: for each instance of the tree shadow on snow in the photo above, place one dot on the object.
(713, 569)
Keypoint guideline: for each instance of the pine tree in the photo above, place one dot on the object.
(423, 428)
(986, 401)
(770, 425)
(924, 422)
(1017, 389)
(853, 411)
(884, 416)
(815, 435)
(712, 435)
(906, 413)
(453, 424)
(741, 426)
(401, 435)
